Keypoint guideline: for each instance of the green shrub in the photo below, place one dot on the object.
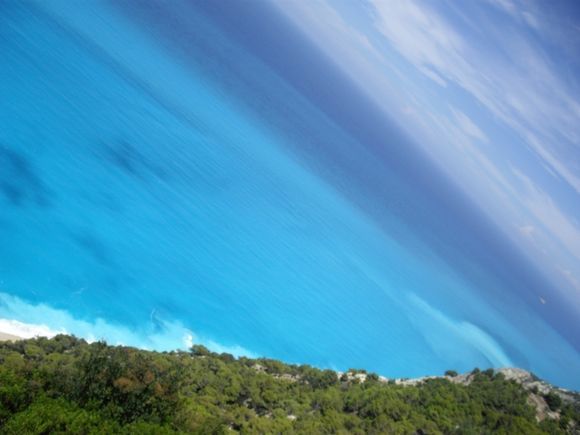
(67, 385)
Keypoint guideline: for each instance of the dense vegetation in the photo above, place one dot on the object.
(67, 385)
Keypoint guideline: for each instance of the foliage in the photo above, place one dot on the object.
(67, 385)
(553, 400)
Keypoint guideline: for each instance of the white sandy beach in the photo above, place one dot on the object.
(8, 337)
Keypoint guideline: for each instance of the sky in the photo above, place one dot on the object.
(490, 90)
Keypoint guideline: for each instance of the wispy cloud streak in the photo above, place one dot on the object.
(488, 88)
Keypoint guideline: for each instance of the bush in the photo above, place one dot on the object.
(553, 400)
(67, 385)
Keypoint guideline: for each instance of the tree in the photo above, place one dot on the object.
(553, 400)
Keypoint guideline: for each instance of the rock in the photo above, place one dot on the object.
(542, 408)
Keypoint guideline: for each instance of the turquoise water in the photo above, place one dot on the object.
(156, 196)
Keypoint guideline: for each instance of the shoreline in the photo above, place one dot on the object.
(9, 337)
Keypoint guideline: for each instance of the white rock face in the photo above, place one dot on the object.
(542, 408)
(536, 387)
(530, 382)
(526, 379)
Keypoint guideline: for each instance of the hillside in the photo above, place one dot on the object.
(67, 385)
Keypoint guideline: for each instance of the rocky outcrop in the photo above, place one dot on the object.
(537, 388)
(540, 392)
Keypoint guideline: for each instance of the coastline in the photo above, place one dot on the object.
(9, 337)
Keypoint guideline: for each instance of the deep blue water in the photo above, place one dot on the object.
(175, 172)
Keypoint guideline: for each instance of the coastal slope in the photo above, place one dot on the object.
(65, 384)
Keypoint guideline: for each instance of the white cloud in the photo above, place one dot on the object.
(523, 89)
(570, 277)
(543, 208)
(434, 76)
(350, 48)
(531, 20)
(509, 78)
(518, 12)
(505, 5)
(469, 127)
(508, 74)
